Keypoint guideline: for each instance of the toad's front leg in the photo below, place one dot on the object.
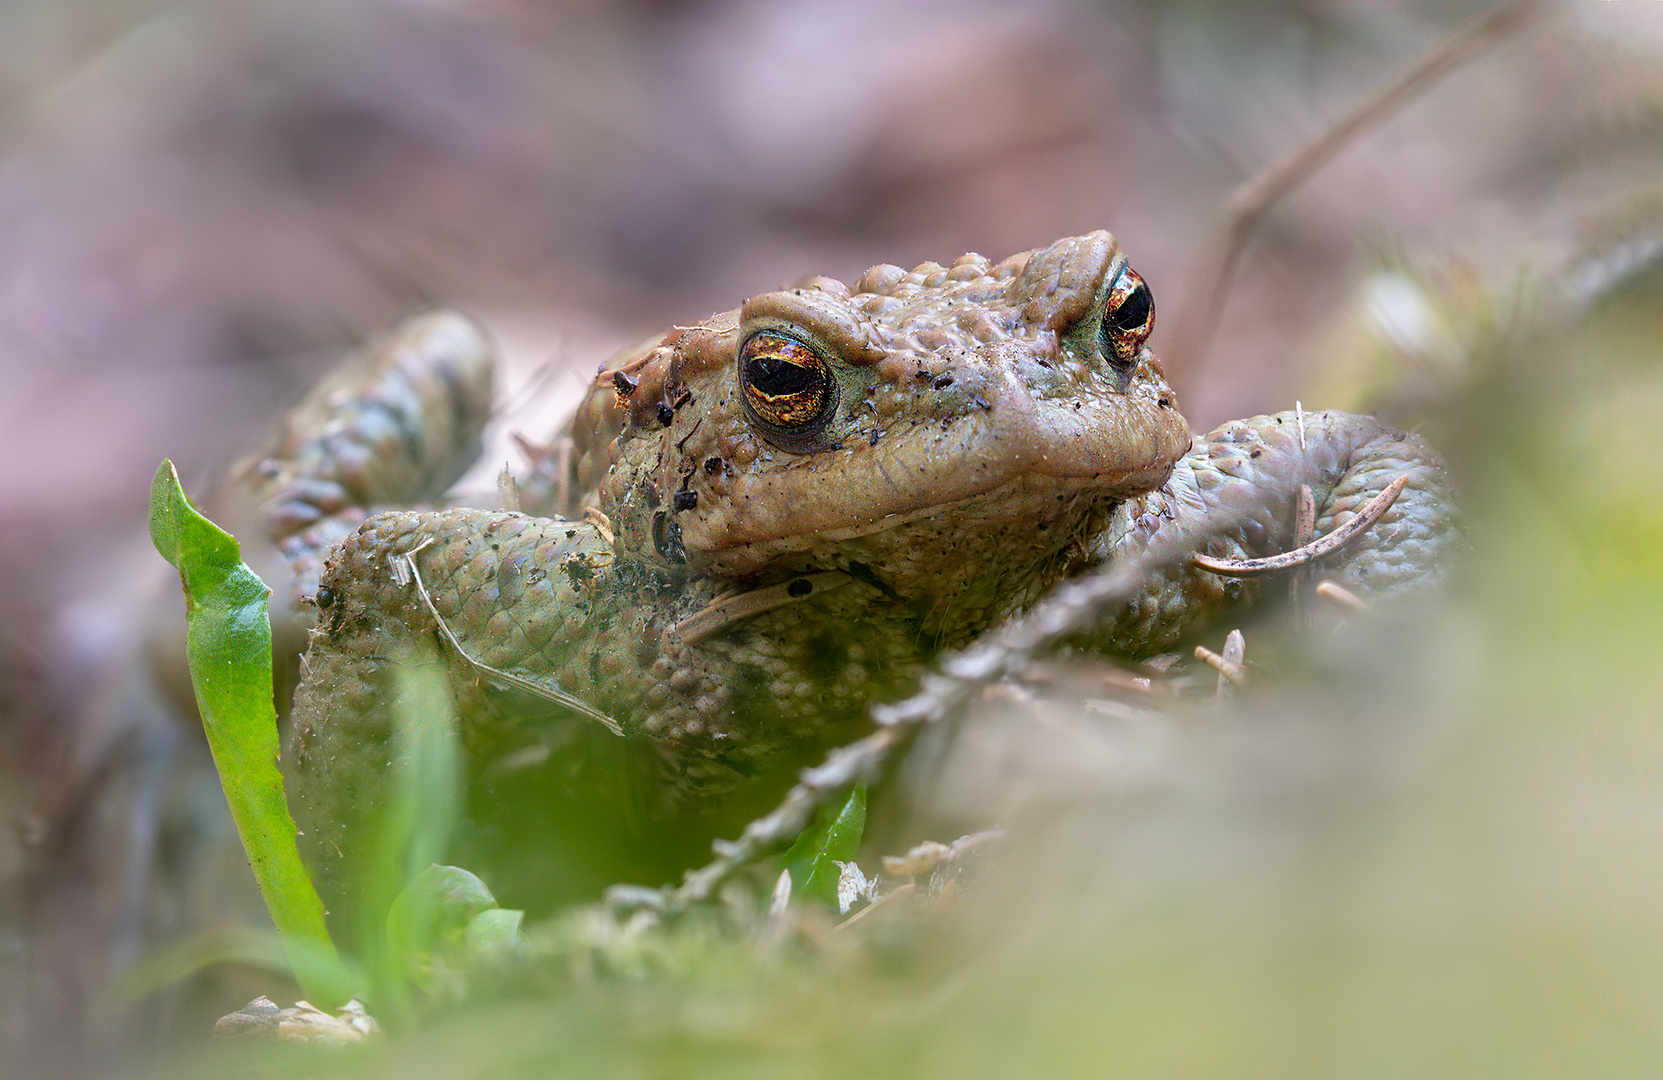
(521, 618)
(1237, 490)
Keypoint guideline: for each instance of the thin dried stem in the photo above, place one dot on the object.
(1316, 549)
(1304, 528)
(1246, 206)
(1232, 672)
(1341, 597)
(548, 691)
(508, 490)
(1305, 517)
(893, 896)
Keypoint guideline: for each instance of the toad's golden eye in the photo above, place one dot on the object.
(1128, 317)
(789, 388)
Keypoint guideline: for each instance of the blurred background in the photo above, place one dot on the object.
(202, 205)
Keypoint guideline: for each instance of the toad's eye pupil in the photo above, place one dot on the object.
(776, 376)
(789, 388)
(1128, 317)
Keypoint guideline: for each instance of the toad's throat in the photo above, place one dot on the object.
(956, 567)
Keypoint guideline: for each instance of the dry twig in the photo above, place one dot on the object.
(1231, 666)
(1329, 543)
(1246, 206)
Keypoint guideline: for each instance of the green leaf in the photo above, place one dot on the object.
(494, 935)
(228, 644)
(439, 899)
(834, 837)
(444, 922)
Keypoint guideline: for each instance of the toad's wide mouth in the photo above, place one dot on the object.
(1119, 444)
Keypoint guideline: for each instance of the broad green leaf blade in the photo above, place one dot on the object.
(229, 647)
(833, 838)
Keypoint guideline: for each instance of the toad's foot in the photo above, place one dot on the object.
(1237, 491)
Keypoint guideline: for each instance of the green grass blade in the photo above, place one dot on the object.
(423, 800)
(229, 647)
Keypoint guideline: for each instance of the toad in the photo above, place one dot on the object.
(771, 519)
